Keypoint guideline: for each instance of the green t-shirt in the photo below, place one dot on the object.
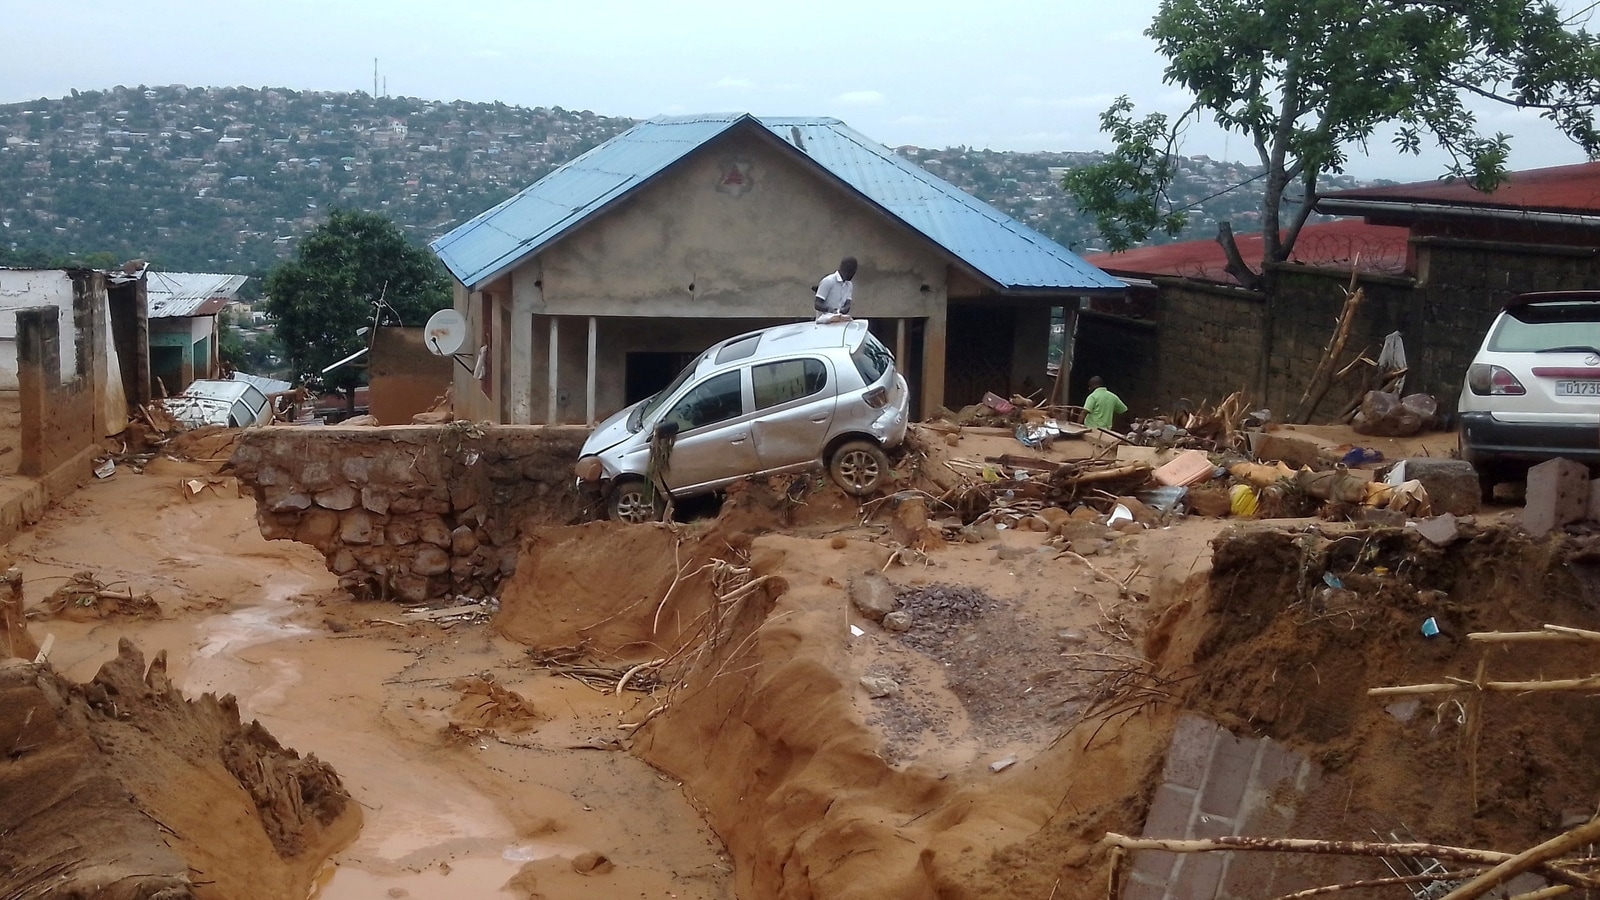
(1102, 406)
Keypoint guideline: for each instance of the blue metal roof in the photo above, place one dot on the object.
(1010, 254)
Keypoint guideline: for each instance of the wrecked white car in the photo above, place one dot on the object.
(236, 404)
(782, 399)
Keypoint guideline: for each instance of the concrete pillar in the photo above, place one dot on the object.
(186, 370)
(900, 342)
(38, 374)
(933, 347)
(520, 365)
(594, 329)
(553, 416)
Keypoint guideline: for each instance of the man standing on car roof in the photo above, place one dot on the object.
(835, 290)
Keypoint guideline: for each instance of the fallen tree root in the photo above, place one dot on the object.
(1549, 868)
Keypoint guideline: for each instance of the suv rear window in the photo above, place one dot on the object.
(1546, 327)
(872, 359)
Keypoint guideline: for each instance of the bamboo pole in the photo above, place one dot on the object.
(1584, 834)
(1550, 633)
(1590, 683)
(1381, 882)
(1549, 868)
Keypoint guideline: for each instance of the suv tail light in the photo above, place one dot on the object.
(1496, 381)
(877, 397)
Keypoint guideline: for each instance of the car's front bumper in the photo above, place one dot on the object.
(1486, 439)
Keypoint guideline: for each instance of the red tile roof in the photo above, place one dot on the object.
(1337, 244)
(1570, 189)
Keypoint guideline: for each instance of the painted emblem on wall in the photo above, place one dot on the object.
(735, 178)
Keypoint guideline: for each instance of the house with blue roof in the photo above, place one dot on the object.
(592, 287)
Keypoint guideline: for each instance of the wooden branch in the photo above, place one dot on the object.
(1322, 376)
(1590, 683)
(1554, 890)
(1575, 632)
(1559, 633)
(1345, 848)
(1381, 882)
(1527, 859)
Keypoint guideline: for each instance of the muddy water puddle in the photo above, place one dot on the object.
(444, 815)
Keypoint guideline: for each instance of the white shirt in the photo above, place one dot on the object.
(833, 294)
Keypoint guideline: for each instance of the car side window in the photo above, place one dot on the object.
(713, 400)
(789, 379)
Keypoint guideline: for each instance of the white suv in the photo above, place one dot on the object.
(1533, 391)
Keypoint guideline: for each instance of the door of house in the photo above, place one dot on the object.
(648, 372)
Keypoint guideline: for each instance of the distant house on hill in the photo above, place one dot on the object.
(184, 325)
(593, 287)
(1437, 260)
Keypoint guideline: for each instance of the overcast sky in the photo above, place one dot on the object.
(1003, 74)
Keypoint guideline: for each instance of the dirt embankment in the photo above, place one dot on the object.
(1278, 651)
(121, 788)
(760, 716)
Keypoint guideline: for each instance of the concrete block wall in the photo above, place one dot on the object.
(411, 513)
(1207, 344)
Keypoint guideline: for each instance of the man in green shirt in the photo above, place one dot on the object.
(1102, 406)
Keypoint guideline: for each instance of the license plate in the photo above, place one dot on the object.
(1578, 389)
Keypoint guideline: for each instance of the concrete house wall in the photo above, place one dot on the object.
(683, 263)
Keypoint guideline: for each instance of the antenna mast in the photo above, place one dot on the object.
(374, 78)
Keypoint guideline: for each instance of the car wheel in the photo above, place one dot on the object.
(634, 501)
(859, 467)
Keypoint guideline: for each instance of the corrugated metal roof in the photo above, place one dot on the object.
(988, 241)
(174, 294)
(494, 240)
(1341, 243)
(1572, 189)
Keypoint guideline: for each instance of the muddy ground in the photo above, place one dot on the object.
(680, 710)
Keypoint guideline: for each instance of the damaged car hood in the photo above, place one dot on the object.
(611, 432)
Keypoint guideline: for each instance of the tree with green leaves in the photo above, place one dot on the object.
(1308, 81)
(355, 270)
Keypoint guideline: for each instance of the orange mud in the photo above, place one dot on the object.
(1034, 694)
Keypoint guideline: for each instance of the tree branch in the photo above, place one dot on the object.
(1245, 275)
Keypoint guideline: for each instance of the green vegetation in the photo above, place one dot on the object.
(355, 270)
(1305, 80)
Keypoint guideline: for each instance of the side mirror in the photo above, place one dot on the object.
(666, 431)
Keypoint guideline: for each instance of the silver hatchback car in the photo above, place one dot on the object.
(781, 399)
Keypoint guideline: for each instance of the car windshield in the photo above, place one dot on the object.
(653, 403)
(1549, 327)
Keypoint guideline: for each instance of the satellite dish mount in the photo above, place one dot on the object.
(445, 334)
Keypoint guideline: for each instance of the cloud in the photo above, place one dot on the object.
(728, 82)
(486, 54)
(918, 119)
(1078, 101)
(861, 98)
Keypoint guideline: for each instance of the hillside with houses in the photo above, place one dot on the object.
(226, 179)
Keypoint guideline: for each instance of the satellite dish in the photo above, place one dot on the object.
(445, 332)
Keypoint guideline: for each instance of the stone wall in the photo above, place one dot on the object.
(411, 513)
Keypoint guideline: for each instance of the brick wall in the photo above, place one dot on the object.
(1208, 337)
(1207, 342)
(411, 512)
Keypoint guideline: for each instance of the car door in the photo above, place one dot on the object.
(794, 402)
(714, 444)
